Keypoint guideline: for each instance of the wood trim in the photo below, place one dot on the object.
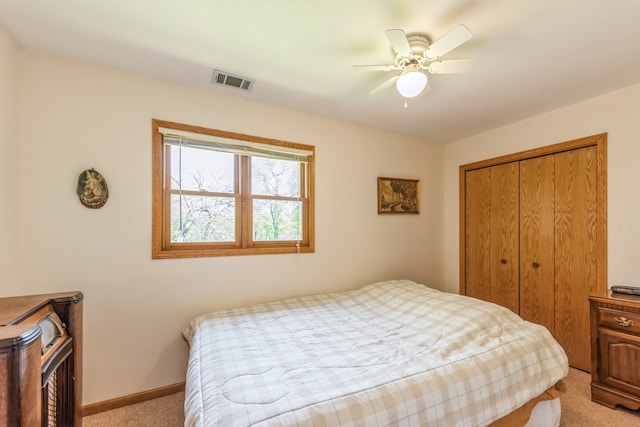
(462, 230)
(587, 141)
(158, 227)
(601, 213)
(131, 399)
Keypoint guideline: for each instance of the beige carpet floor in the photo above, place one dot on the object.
(164, 411)
(577, 410)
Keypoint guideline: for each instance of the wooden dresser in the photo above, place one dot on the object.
(41, 360)
(615, 349)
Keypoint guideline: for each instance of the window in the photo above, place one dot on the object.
(218, 193)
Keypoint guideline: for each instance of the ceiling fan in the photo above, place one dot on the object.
(415, 54)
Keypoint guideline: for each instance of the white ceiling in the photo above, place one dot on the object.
(531, 56)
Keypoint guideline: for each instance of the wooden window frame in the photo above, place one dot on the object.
(163, 248)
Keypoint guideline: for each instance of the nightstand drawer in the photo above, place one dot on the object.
(619, 320)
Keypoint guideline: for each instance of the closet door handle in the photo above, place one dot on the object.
(535, 265)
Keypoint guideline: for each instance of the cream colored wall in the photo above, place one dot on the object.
(77, 116)
(9, 166)
(617, 114)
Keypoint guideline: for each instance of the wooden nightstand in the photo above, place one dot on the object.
(615, 350)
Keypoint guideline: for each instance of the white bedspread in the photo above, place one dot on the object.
(390, 353)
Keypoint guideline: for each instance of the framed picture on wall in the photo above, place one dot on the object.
(397, 195)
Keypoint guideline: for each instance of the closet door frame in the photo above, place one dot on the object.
(598, 141)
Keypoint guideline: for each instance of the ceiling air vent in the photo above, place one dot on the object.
(226, 79)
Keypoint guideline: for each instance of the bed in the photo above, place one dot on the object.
(389, 353)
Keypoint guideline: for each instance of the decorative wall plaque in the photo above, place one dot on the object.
(92, 189)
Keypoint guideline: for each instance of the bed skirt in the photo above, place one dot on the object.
(547, 408)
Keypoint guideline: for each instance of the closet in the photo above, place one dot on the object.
(533, 236)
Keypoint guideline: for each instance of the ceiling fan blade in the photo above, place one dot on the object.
(451, 66)
(399, 42)
(376, 67)
(386, 84)
(448, 42)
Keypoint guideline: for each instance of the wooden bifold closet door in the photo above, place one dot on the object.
(575, 251)
(533, 236)
(537, 239)
(492, 234)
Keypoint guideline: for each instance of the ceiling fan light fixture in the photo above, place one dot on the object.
(415, 56)
(411, 83)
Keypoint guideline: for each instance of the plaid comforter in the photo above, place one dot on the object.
(390, 353)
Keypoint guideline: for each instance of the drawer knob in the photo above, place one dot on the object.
(623, 321)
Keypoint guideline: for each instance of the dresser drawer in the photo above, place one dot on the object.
(619, 320)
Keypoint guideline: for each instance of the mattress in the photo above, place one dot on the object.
(389, 353)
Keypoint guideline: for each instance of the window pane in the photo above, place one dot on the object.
(277, 220)
(201, 170)
(271, 177)
(202, 219)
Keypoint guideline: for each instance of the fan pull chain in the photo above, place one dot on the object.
(405, 103)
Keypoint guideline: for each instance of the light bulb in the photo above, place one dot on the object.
(411, 83)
